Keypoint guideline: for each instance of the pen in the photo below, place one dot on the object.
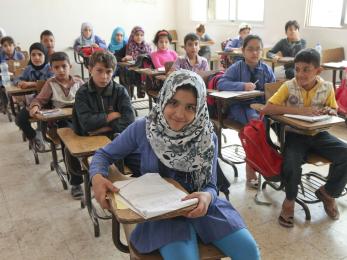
(256, 82)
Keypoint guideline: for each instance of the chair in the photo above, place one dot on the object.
(333, 55)
(126, 219)
(310, 181)
(174, 37)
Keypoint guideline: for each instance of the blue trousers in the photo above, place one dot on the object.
(239, 245)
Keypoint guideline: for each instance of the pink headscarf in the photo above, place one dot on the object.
(134, 49)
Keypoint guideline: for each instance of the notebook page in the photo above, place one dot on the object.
(309, 118)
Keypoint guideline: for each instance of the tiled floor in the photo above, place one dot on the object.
(39, 220)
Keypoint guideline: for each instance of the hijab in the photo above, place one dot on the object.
(41, 48)
(114, 45)
(190, 149)
(134, 49)
(86, 41)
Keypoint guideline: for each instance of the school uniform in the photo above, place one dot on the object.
(17, 55)
(183, 62)
(298, 144)
(233, 80)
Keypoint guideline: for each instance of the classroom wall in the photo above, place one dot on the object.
(277, 13)
(26, 19)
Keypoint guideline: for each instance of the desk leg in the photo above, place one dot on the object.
(334, 79)
(55, 165)
(116, 236)
(12, 105)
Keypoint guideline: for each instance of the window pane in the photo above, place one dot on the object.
(198, 10)
(326, 13)
(250, 10)
(232, 10)
(222, 9)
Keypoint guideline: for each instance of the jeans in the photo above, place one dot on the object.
(297, 147)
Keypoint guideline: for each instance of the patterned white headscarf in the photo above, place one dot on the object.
(191, 149)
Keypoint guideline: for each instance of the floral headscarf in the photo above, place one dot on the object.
(114, 45)
(86, 41)
(191, 149)
(135, 49)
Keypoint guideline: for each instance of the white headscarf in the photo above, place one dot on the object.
(87, 41)
(192, 148)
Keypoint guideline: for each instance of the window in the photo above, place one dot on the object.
(322, 13)
(227, 10)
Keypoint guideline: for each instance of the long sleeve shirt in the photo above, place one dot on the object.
(234, 43)
(160, 57)
(184, 63)
(30, 74)
(102, 44)
(17, 55)
(221, 218)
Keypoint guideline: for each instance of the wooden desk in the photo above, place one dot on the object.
(82, 147)
(229, 56)
(148, 71)
(280, 61)
(63, 114)
(335, 66)
(16, 91)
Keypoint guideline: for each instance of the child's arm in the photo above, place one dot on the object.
(272, 54)
(155, 60)
(100, 42)
(230, 81)
(42, 98)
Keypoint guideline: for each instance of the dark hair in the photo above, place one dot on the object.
(309, 55)
(46, 33)
(200, 28)
(59, 56)
(7, 39)
(188, 87)
(190, 37)
(292, 23)
(103, 57)
(249, 38)
(162, 33)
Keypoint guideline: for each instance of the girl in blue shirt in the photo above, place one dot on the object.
(177, 141)
(246, 75)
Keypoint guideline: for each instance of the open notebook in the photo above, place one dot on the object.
(150, 195)
(309, 118)
(51, 112)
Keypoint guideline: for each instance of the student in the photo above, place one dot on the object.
(9, 51)
(88, 38)
(205, 51)
(118, 42)
(136, 44)
(102, 103)
(309, 94)
(191, 61)
(2, 34)
(236, 43)
(288, 47)
(47, 39)
(38, 67)
(163, 54)
(179, 122)
(246, 75)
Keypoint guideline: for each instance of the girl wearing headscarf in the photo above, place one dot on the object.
(88, 38)
(177, 141)
(136, 44)
(118, 40)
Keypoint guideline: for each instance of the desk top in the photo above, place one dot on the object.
(126, 63)
(16, 90)
(81, 146)
(241, 95)
(230, 53)
(335, 65)
(282, 60)
(148, 71)
(61, 114)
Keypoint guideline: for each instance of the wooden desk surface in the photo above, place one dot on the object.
(128, 216)
(148, 71)
(230, 53)
(335, 65)
(239, 95)
(14, 90)
(65, 113)
(282, 60)
(81, 146)
(126, 63)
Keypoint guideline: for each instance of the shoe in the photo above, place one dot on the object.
(39, 142)
(329, 203)
(76, 191)
(286, 217)
(253, 184)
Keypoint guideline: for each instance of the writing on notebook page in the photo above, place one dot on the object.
(309, 118)
(150, 195)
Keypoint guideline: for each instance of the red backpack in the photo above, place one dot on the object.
(260, 155)
(341, 96)
(212, 84)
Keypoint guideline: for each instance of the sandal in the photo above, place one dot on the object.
(253, 184)
(286, 218)
(329, 203)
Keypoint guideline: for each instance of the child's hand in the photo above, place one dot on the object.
(310, 111)
(112, 116)
(33, 111)
(276, 58)
(202, 207)
(328, 111)
(249, 86)
(26, 84)
(94, 45)
(101, 186)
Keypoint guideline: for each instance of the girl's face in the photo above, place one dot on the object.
(252, 52)
(180, 110)
(163, 43)
(37, 57)
(119, 37)
(87, 32)
(138, 37)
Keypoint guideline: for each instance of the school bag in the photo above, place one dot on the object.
(212, 85)
(260, 152)
(341, 96)
(87, 51)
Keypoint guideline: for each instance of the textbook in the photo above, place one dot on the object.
(309, 118)
(150, 195)
(231, 94)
